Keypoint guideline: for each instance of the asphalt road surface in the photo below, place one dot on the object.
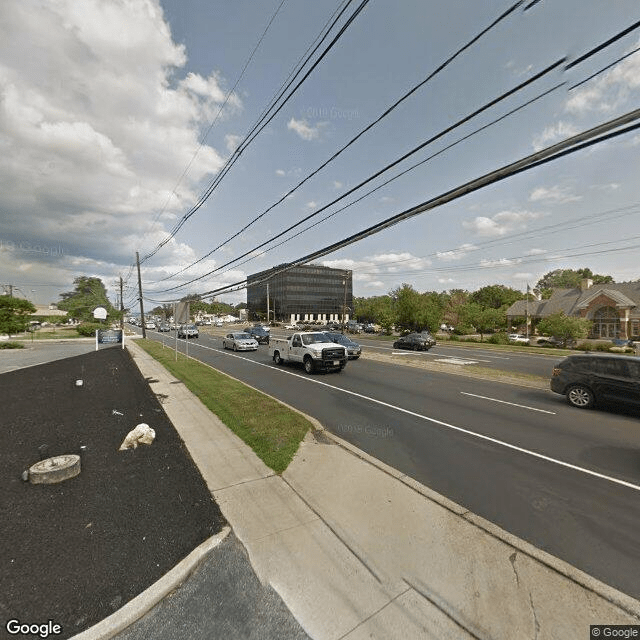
(565, 480)
(39, 352)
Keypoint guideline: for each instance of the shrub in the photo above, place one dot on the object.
(498, 338)
(454, 338)
(89, 328)
(463, 329)
(602, 347)
(11, 345)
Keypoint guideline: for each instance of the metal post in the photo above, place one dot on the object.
(267, 303)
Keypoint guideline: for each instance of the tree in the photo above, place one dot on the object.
(88, 294)
(569, 279)
(14, 314)
(564, 327)
(495, 296)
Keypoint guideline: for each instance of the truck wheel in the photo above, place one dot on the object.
(308, 364)
(342, 366)
(235, 347)
(276, 357)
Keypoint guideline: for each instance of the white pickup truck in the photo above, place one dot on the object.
(313, 349)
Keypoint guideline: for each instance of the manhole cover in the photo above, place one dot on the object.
(55, 469)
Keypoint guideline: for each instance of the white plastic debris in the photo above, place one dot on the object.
(115, 412)
(142, 434)
(78, 383)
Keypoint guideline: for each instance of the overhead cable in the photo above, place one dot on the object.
(256, 131)
(602, 46)
(430, 140)
(601, 133)
(372, 124)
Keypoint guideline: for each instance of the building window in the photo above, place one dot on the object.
(606, 323)
(635, 329)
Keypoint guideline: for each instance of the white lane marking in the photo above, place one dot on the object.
(450, 360)
(371, 346)
(513, 404)
(480, 436)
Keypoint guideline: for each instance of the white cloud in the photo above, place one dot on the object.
(535, 252)
(305, 130)
(500, 262)
(555, 194)
(96, 126)
(281, 172)
(456, 254)
(312, 204)
(523, 276)
(232, 141)
(559, 131)
(337, 184)
(501, 223)
(609, 91)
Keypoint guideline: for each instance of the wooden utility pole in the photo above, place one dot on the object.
(121, 306)
(144, 331)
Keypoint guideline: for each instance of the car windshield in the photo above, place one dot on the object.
(313, 338)
(242, 336)
(339, 338)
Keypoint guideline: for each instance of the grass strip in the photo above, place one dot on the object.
(271, 429)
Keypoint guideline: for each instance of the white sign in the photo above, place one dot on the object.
(100, 313)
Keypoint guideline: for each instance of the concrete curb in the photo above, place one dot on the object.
(149, 598)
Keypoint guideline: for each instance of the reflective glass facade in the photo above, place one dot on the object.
(308, 291)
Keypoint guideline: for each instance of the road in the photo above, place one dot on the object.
(39, 352)
(565, 480)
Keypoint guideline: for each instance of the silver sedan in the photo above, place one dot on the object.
(240, 342)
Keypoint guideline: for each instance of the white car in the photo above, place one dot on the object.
(290, 326)
(240, 341)
(150, 325)
(518, 338)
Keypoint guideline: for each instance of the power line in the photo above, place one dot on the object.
(259, 127)
(595, 135)
(432, 139)
(372, 124)
(597, 73)
(217, 116)
(603, 45)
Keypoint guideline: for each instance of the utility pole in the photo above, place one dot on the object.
(344, 303)
(267, 304)
(121, 306)
(144, 331)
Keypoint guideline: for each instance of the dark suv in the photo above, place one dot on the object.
(259, 333)
(591, 378)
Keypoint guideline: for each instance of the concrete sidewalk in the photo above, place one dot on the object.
(358, 550)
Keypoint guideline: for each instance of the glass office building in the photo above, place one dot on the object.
(302, 293)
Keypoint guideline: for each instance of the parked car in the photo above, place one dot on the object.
(354, 350)
(369, 328)
(188, 331)
(259, 333)
(240, 341)
(588, 379)
(414, 341)
(290, 327)
(163, 326)
(150, 325)
(518, 338)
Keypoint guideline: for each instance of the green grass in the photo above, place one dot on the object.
(271, 429)
(50, 334)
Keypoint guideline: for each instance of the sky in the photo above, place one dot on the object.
(116, 117)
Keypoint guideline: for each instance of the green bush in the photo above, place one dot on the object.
(602, 347)
(498, 338)
(89, 328)
(463, 330)
(11, 345)
(454, 338)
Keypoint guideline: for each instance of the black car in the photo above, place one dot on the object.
(590, 378)
(353, 348)
(259, 333)
(415, 341)
(428, 337)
